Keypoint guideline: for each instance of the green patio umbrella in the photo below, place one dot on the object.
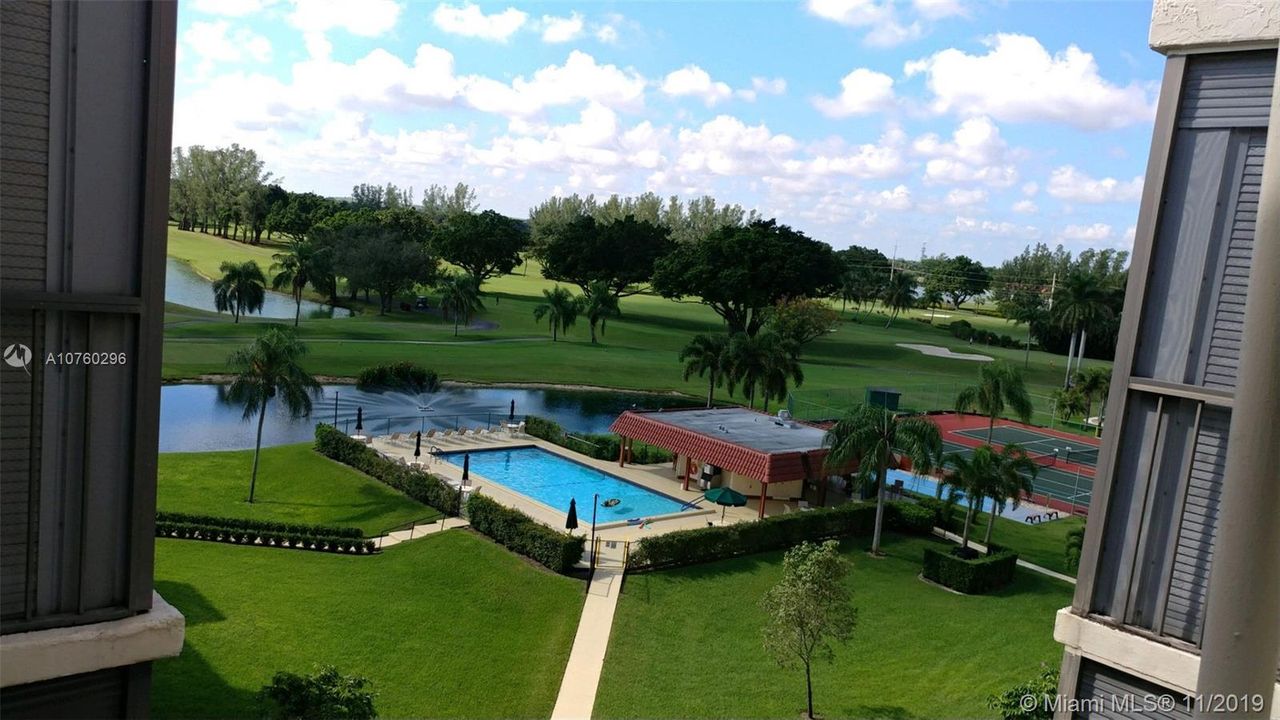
(726, 498)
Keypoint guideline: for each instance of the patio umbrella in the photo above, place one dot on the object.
(466, 468)
(511, 416)
(725, 498)
(417, 445)
(359, 419)
(571, 522)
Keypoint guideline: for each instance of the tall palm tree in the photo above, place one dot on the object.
(459, 297)
(781, 366)
(707, 355)
(1079, 303)
(974, 476)
(240, 290)
(899, 294)
(561, 310)
(599, 304)
(268, 368)
(764, 363)
(999, 385)
(868, 435)
(294, 269)
(1012, 476)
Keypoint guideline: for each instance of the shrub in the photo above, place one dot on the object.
(548, 430)
(417, 484)
(1075, 542)
(1013, 705)
(601, 446)
(522, 534)
(972, 577)
(689, 547)
(961, 329)
(260, 526)
(215, 529)
(908, 517)
(326, 694)
(399, 376)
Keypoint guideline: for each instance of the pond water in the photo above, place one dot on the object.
(197, 417)
(185, 286)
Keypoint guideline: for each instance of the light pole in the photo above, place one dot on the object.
(335, 408)
(595, 500)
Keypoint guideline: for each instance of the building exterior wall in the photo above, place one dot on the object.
(1182, 26)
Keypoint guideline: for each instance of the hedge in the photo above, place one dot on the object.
(908, 517)
(972, 577)
(401, 375)
(601, 446)
(717, 542)
(267, 538)
(417, 484)
(262, 526)
(522, 534)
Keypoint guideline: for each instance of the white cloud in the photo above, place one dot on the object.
(468, 20)
(899, 198)
(1126, 241)
(877, 17)
(969, 226)
(607, 34)
(215, 42)
(561, 29)
(1030, 188)
(579, 79)
(1025, 206)
(230, 8)
(769, 86)
(727, 146)
(1095, 233)
(693, 80)
(1068, 183)
(938, 9)
(367, 18)
(963, 198)
(868, 160)
(976, 153)
(862, 91)
(1017, 80)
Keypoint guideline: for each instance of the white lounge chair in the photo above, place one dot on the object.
(395, 437)
(429, 434)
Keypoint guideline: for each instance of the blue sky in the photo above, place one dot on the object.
(972, 127)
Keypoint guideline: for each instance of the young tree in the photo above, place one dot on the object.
(809, 609)
(707, 355)
(484, 244)
(1094, 384)
(999, 386)
(899, 294)
(742, 272)
(270, 368)
(868, 436)
(240, 290)
(800, 321)
(1012, 475)
(599, 304)
(326, 694)
(459, 297)
(560, 308)
(1069, 403)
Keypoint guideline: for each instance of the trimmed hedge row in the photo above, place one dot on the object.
(417, 484)
(972, 577)
(522, 534)
(601, 446)
(909, 517)
(261, 526)
(243, 536)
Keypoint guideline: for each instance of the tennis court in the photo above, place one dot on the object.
(1069, 486)
(1038, 443)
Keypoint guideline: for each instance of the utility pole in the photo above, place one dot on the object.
(894, 262)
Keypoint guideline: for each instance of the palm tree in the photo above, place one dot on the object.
(707, 355)
(999, 385)
(899, 294)
(295, 269)
(459, 297)
(561, 310)
(1093, 383)
(781, 366)
(766, 363)
(1069, 403)
(1012, 475)
(269, 368)
(868, 435)
(931, 299)
(240, 290)
(1079, 303)
(1028, 311)
(974, 476)
(599, 304)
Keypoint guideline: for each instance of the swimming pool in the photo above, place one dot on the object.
(928, 486)
(553, 480)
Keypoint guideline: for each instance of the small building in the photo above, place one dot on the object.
(761, 456)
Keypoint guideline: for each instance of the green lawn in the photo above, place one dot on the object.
(686, 643)
(295, 484)
(204, 253)
(449, 625)
(1043, 544)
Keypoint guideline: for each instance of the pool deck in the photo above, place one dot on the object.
(659, 478)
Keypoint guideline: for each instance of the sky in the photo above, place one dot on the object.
(917, 126)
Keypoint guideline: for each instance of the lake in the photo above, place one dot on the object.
(197, 417)
(185, 286)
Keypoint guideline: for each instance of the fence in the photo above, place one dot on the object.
(423, 423)
(829, 404)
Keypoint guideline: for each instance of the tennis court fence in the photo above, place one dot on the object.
(830, 403)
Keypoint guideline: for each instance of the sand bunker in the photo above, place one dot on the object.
(942, 352)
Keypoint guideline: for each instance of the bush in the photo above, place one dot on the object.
(601, 446)
(972, 577)
(548, 430)
(1012, 704)
(522, 534)
(1075, 542)
(260, 526)
(211, 529)
(961, 329)
(398, 376)
(909, 517)
(689, 547)
(417, 484)
(326, 694)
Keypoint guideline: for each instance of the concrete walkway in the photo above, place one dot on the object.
(1021, 563)
(582, 675)
(418, 531)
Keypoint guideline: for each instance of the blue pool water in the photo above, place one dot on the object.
(553, 480)
(928, 486)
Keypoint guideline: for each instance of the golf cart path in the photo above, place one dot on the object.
(577, 695)
(938, 351)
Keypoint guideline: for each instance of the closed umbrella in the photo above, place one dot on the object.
(571, 522)
(511, 416)
(725, 498)
(417, 446)
(466, 468)
(359, 420)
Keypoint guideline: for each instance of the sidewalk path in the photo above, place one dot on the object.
(582, 675)
(1021, 563)
(422, 530)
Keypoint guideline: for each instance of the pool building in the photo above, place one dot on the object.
(762, 456)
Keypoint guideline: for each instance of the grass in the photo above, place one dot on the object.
(295, 484)
(686, 643)
(1043, 544)
(449, 625)
(204, 253)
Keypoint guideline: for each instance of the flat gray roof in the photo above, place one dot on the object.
(745, 427)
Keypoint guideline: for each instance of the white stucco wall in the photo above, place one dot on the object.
(1199, 25)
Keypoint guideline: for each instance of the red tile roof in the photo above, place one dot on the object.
(752, 463)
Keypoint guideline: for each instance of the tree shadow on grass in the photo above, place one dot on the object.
(883, 712)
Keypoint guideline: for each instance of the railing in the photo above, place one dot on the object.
(422, 423)
(410, 526)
